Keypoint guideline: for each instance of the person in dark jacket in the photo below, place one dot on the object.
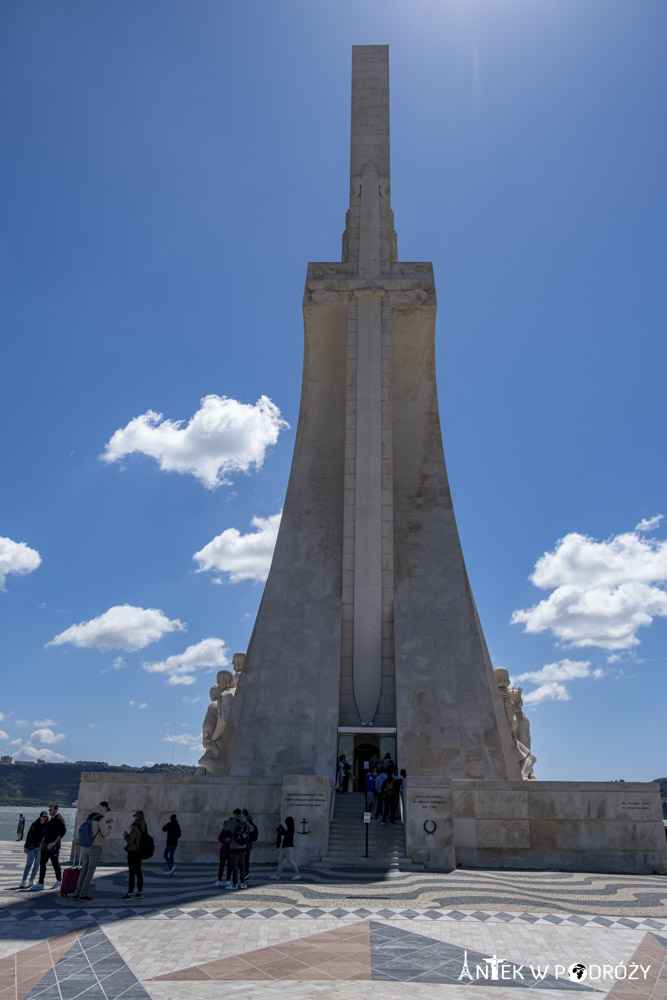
(173, 831)
(285, 845)
(54, 831)
(33, 849)
(254, 834)
(225, 839)
(21, 827)
(132, 846)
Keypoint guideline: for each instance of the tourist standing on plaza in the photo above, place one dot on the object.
(21, 827)
(254, 834)
(54, 831)
(33, 849)
(133, 846)
(240, 840)
(91, 837)
(173, 831)
(225, 839)
(285, 845)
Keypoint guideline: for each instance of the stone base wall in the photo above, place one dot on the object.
(568, 825)
(202, 804)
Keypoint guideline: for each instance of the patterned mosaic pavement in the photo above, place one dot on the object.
(413, 936)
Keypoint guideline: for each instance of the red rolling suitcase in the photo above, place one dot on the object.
(70, 877)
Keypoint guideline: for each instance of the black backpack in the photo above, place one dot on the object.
(146, 846)
(254, 833)
(242, 833)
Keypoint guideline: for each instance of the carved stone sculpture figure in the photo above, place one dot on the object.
(503, 681)
(517, 722)
(215, 720)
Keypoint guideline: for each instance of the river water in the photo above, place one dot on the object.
(9, 817)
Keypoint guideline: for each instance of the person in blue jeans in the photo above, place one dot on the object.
(173, 831)
(33, 849)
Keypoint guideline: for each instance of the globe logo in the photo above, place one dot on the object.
(576, 972)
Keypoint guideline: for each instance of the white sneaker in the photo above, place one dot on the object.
(228, 885)
(295, 878)
(244, 885)
(56, 885)
(277, 877)
(167, 871)
(36, 885)
(234, 887)
(218, 884)
(24, 885)
(172, 870)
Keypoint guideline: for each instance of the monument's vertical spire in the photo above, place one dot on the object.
(369, 156)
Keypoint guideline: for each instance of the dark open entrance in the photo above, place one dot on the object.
(365, 752)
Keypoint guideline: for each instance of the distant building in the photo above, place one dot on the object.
(5, 760)
(91, 763)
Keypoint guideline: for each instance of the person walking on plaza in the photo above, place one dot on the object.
(54, 831)
(92, 834)
(33, 849)
(254, 834)
(285, 845)
(21, 827)
(240, 840)
(225, 839)
(173, 831)
(133, 847)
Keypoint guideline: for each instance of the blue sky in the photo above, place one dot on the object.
(169, 170)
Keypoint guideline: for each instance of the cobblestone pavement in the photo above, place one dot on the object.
(335, 935)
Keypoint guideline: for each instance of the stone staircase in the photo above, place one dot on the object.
(347, 840)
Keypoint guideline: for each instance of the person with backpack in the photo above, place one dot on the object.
(90, 839)
(285, 845)
(173, 831)
(33, 849)
(139, 846)
(237, 848)
(254, 834)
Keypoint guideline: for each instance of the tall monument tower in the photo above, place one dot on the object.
(367, 633)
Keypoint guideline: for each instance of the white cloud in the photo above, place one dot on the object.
(604, 592)
(18, 558)
(122, 626)
(243, 557)
(193, 743)
(44, 722)
(182, 668)
(93, 725)
(3, 735)
(46, 736)
(3, 716)
(16, 743)
(50, 756)
(563, 670)
(551, 678)
(190, 701)
(149, 763)
(546, 692)
(21, 723)
(224, 436)
(136, 704)
(649, 523)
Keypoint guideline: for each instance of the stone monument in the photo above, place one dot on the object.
(367, 631)
(367, 640)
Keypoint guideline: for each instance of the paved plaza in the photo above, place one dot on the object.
(335, 934)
